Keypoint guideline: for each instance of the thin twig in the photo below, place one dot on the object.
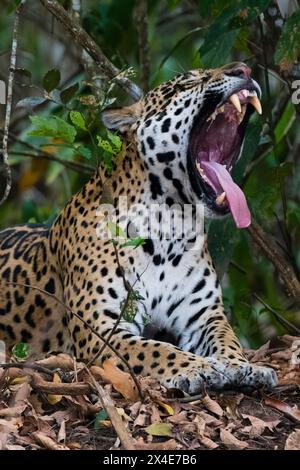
(283, 322)
(129, 290)
(84, 40)
(99, 336)
(114, 416)
(12, 67)
(38, 153)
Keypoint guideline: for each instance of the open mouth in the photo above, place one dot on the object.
(215, 145)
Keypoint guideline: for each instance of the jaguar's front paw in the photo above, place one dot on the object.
(207, 374)
(250, 375)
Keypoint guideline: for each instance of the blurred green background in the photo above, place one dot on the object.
(182, 34)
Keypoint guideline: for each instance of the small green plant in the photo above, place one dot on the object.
(21, 351)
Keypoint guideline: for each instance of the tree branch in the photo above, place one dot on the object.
(36, 152)
(84, 40)
(13, 61)
(270, 249)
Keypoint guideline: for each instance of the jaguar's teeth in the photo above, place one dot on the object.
(234, 99)
(220, 199)
(256, 103)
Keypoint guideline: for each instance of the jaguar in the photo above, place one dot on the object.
(63, 287)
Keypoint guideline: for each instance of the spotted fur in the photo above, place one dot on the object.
(180, 288)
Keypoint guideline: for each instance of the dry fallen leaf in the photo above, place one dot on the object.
(293, 441)
(54, 399)
(231, 441)
(258, 425)
(159, 429)
(212, 406)
(209, 443)
(47, 442)
(166, 407)
(121, 381)
(291, 412)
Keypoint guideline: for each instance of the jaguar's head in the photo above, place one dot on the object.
(190, 132)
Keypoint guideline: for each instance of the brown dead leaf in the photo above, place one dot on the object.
(293, 441)
(61, 436)
(291, 412)
(231, 441)
(258, 426)
(47, 442)
(212, 406)
(155, 414)
(54, 399)
(14, 411)
(210, 420)
(142, 416)
(171, 444)
(121, 381)
(207, 442)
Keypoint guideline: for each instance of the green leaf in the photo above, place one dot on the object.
(136, 242)
(285, 122)
(51, 80)
(115, 230)
(105, 145)
(68, 93)
(99, 418)
(78, 120)
(224, 30)
(159, 429)
(115, 140)
(52, 126)
(84, 152)
(21, 350)
(288, 46)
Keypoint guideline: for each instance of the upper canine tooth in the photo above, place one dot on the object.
(221, 198)
(234, 99)
(256, 104)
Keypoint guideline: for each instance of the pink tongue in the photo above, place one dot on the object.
(220, 179)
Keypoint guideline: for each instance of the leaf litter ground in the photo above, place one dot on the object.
(53, 404)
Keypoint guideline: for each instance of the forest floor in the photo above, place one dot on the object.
(55, 403)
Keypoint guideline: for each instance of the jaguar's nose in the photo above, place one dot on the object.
(239, 70)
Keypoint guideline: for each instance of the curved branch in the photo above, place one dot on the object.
(84, 40)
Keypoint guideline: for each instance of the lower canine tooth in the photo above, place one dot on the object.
(256, 104)
(234, 99)
(221, 198)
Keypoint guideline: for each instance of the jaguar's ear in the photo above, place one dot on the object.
(122, 118)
